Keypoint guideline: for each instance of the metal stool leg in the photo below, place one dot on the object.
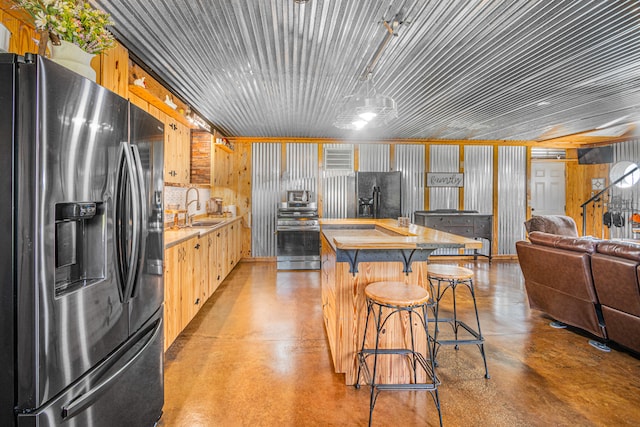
(481, 345)
(477, 339)
(432, 363)
(374, 394)
(375, 309)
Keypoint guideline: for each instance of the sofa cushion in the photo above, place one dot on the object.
(554, 224)
(576, 244)
(619, 248)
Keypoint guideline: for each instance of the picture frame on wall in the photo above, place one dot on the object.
(445, 179)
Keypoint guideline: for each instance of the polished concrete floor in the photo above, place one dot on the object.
(256, 355)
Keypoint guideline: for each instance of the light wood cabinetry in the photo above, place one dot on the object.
(177, 135)
(193, 271)
(174, 259)
(210, 162)
(114, 70)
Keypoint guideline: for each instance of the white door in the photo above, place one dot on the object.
(547, 188)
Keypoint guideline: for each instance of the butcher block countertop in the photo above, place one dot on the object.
(361, 233)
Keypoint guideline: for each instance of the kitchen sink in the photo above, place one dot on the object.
(207, 222)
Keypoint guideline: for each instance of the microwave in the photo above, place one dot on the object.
(299, 196)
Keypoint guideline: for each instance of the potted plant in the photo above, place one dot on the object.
(71, 26)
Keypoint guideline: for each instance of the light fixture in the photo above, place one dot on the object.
(366, 107)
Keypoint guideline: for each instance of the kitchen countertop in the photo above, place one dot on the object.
(362, 233)
(173, 237)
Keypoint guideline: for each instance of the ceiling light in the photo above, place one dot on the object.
(366, 106)
(359, 124)
(367, 115)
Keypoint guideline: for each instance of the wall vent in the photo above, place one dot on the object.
(338, 158)
(548, 153)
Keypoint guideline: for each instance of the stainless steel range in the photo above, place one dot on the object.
(298, 231)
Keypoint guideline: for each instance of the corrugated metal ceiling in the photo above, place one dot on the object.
(469, 69)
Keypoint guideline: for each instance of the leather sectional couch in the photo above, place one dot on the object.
(584, 282)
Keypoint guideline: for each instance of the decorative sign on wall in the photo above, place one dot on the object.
(445, 179)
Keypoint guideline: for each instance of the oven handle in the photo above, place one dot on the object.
(297, 228)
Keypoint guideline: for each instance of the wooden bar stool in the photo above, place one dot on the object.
(452, 276)
(396, 298)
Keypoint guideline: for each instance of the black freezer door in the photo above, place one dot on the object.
(389, 194)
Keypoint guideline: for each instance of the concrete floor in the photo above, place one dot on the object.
(257, 355)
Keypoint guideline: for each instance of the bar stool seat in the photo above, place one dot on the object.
(452, 276)
(396, 298)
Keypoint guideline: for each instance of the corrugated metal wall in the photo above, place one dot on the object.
(265, 196)
(301, 171)
(444, 158)
(478, 182)
(478, 178)
(410, 160)
(336, 188)
(374, 158)
(512, 190)
(625, 201)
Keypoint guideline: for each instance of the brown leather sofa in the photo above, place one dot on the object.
(557, 274)
(616, 271)
(554, 224)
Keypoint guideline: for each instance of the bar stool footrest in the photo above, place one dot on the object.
(422, 361)
(478, 339)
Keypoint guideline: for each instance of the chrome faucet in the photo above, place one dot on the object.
(187, 203)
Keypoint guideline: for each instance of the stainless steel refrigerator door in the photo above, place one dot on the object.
(7, 309)
(147, 139)
(125, 389)
(66, 152)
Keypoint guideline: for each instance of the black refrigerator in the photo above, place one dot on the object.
(81, 289)
(378, 195)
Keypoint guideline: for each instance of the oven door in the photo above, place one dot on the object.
(298, 248)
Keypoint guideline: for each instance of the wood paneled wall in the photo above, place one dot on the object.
(578, 190)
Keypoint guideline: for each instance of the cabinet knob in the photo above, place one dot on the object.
(197, 301)
(197, 245)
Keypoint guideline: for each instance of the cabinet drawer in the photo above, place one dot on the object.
(454, 229)
(448, 221)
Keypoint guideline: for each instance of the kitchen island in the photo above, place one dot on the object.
(357, 252)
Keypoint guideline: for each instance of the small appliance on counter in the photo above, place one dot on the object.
(215, 207)
(298, 231)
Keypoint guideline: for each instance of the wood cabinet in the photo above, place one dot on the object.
(211, 163)
(193, 271)
(114, 70)
(191, 281)
(174, 260)
(177, 147)
(177, 136)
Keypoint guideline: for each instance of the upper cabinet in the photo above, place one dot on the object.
(210, 162)
(177, 146)
(177, 135)
(114, 70)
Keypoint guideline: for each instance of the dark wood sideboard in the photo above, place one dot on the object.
(469, 224)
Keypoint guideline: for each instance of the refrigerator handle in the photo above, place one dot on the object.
(142, 247)
(84, 400)
(128, 273)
